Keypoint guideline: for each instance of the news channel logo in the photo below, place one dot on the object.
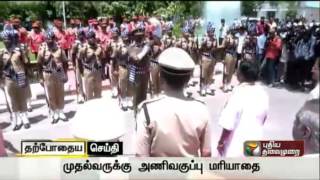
(252, 148)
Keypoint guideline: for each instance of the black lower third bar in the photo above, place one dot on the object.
(104, 149)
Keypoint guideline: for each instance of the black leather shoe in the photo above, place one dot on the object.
(17, 127)
(65, 120)
(55, 121)
(26, 126)
(124, 108)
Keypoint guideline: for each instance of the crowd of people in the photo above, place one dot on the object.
(142, 54)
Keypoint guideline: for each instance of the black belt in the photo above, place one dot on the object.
(231, 51)
(154, 62)
(123, 65)
(90, 68)
(207, 54)
(47, 71)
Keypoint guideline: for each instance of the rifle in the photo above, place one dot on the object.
(46, 98)
(76, 75)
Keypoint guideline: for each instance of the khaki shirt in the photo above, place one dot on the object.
(90, 54)
(116, 48)
(178, 128)
(75, 49)
(58, 56)
(17, 58)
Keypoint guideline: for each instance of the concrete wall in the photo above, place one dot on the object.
(280, 10)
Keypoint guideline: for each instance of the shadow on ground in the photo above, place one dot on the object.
(37, 119)
(4, 125)
(70, 114)
(68, 101)
(37, 106)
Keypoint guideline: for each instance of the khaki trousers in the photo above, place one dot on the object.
(139, 89)
(18, 96)
(92, 84)
(55, 91)
(123, 81)
(208, 65)
(114, 69)
(229, 67)
(155, 79)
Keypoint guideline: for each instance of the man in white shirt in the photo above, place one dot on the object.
(222, 31)
(241, 36)
(244, 114)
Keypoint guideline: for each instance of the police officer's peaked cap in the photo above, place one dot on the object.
(81, 32)
(50, 34)
(7, 34)
(140, 28)
(115, 30)
(90, 33)
(125, 33)
(210, 28)
(176, 59)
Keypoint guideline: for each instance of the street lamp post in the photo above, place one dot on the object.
(64, 14)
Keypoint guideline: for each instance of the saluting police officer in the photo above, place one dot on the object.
(22, 43)
(139, 60)
(115, 46)
(173, 125)
(74, 52)
(53, 66)
(208, 61)
(13, 67)
(123, 70)
(229, 44)
(90, 57)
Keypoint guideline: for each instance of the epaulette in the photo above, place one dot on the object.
(148, 101)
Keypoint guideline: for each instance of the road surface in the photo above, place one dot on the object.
(283, 106)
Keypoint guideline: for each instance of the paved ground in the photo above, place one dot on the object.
(283, 106)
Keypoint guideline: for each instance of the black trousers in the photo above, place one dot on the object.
(239, 56)
(299, 71)
(271, 66)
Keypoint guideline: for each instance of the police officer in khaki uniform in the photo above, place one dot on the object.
(208, 61)
(229, 43)
(53, 65)
(168, 39)
(21, 43)
(74, 53)
(139, 62)
(115, 46)
(123, 70)
(13, 67)
(184, 40)
(173, 125)
(90, 57)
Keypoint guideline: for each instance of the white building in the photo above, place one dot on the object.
(279, 9)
